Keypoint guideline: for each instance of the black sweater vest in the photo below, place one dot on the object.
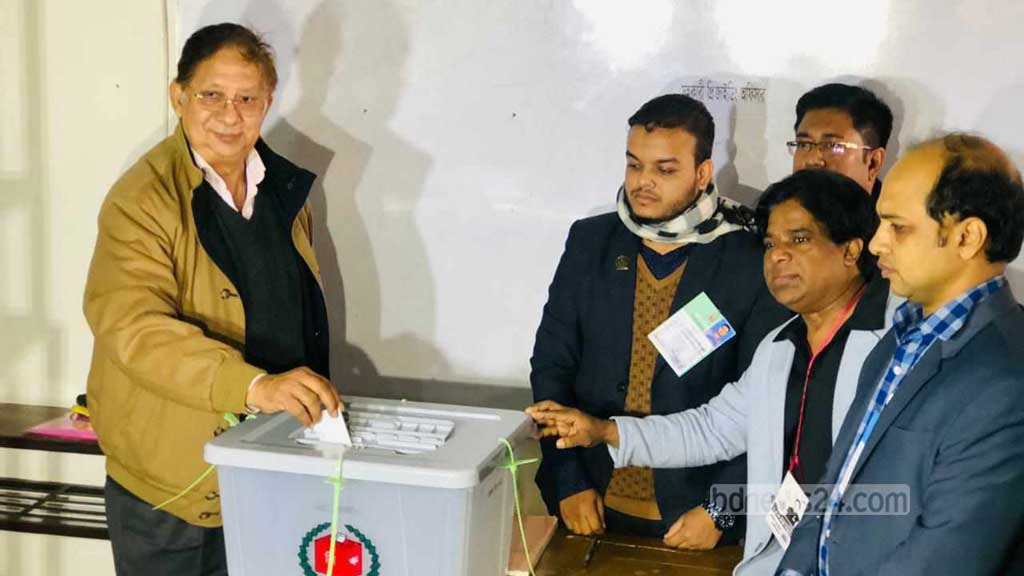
(270, 282)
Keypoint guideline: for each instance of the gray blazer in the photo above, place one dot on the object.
(746, 416)
(953, 435)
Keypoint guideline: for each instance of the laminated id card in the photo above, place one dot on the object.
(693, 332)
(787, 510)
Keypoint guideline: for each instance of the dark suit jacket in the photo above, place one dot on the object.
(582, 351)
(953, 434)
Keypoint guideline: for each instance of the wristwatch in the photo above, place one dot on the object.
(722, 520)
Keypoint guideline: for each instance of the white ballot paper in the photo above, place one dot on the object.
(693, 332)
(330, 429)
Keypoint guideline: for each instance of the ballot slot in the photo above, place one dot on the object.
(403, 434)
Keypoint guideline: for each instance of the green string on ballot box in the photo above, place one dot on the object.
(513, 467)
(232, 421)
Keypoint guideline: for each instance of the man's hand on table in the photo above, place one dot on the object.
(694, 530)
(583, 512)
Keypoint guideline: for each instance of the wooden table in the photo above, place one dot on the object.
(616, 555)
(47, 507)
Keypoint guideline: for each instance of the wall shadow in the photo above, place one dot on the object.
(993, 123)
(336, 122)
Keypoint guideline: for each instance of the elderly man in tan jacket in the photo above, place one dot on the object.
(204, 298)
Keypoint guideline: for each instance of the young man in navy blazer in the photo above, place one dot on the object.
(939, 411)
(787, 408)
(622, 274)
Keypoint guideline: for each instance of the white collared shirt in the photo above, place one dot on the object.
(254, 173)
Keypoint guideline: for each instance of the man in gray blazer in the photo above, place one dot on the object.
(940, 402)
(788, 406)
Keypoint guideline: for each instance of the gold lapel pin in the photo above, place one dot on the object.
(621, 263)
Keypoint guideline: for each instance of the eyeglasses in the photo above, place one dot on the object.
(828, 148)
(214, 101)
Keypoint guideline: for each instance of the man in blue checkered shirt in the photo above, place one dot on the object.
(939, 412)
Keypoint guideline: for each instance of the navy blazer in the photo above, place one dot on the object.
(581, 355)
(953, 435)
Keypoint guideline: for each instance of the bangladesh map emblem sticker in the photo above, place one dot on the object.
(354, 553)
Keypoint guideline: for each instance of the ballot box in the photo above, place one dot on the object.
(423, 492)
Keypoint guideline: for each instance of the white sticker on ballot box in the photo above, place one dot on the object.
(693, 332)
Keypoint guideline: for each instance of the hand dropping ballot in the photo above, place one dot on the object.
(692, 333)
(330, 429)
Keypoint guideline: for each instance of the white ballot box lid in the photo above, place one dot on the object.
(472, 450)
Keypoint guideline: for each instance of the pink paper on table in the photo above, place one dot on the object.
(64, 427)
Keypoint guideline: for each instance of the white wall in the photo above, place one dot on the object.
(84, 96)
(82, 89)
(459, 139)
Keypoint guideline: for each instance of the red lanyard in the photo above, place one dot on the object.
(794, 460)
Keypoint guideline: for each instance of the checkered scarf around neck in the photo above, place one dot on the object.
(701, 223)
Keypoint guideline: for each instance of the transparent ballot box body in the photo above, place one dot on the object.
(442, 512)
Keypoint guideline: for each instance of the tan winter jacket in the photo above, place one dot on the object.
(169, 332)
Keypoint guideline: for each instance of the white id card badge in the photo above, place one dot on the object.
(693, 332)
(787, 510)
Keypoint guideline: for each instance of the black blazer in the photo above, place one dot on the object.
(581, 355)
(953, 435)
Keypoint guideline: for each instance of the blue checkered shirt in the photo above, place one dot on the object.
(914, 336)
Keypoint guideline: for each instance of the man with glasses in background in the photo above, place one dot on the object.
(845, 129)
(204, 299)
